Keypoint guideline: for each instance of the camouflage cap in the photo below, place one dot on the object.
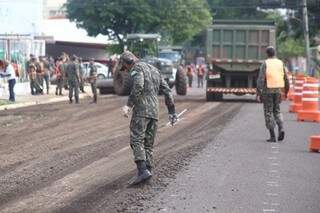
(126, 57)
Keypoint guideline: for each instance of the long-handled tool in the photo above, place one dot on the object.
(178, 118)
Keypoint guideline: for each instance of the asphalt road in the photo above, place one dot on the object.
(239, 172)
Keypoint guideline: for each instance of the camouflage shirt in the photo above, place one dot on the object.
(147, 82)
(72, 71)
(262, 82)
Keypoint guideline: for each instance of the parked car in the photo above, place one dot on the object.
(102, 70)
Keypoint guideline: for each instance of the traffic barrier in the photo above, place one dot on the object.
(291, 88)
(314, 144)
(297, 99)
(310, 101)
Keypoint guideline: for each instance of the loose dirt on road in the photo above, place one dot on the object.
(76, 158)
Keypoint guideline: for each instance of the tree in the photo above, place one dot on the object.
(178, 20)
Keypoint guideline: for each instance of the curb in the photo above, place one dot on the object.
(32, 103)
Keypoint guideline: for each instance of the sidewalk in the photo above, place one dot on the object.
(240, 172)
(24, 97)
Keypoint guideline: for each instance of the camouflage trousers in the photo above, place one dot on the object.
(271, 107)
(73, 88)
(142, 136)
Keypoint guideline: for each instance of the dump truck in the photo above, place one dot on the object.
(234, 52)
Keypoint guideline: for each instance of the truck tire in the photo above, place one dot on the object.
(121, 83)
(181, 82)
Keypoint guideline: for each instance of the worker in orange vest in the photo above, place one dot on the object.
(272, 78)
(200, 73)
(190, 75)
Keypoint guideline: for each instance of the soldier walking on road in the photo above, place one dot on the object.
(93, 79)
(272, 78)
(72, 74)
(143, 100)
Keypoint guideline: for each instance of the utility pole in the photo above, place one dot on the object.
(306, 33)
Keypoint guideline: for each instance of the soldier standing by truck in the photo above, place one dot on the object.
(272, 78)
(73, 78)
(93, 79)
(143, 100)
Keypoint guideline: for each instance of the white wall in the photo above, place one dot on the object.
(21, 16)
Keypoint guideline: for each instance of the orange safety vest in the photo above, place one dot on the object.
(274, 73)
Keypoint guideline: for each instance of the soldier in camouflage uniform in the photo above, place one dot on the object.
(93, 79)
(81, 73)
(146, 85)
(272, 78)
(72, 74)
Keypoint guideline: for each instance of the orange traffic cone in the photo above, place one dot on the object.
(314, 145)
(310, 101)
(298, 86)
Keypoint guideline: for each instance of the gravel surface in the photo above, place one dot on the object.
(76, 158)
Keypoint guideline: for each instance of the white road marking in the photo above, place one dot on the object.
(272, 194)
(270, 210)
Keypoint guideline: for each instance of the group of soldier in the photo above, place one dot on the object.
(68, 73)
(39, 72)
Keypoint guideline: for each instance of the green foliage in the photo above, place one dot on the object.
(237, 9)
(291, 48)
(289, 44)
(178, 20)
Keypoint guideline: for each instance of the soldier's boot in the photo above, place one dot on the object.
(272, 136)
(47, 90)
(56, 91)
(281, 134)
(149, 168)
(143, 173)
(70, 100)
(95, 98)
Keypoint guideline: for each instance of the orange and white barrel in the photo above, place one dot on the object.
(297, 98)
(310, 101)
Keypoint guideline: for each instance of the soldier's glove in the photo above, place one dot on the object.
(126, 110)
(173, 118)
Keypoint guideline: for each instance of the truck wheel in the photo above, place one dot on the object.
(121, 83)
(181, 82)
